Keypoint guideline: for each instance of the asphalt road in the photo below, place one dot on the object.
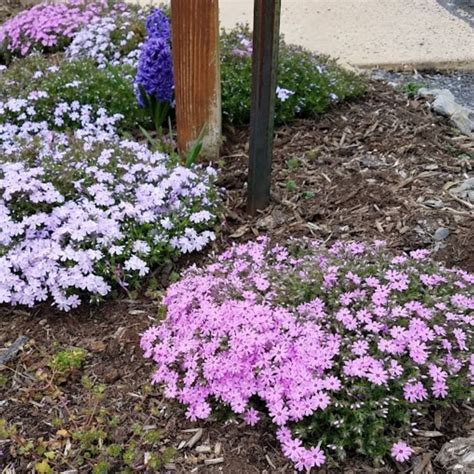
(463, 9)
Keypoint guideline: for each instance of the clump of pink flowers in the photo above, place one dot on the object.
(336, 345)
(48, 26)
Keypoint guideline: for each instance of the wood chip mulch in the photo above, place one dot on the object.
(378, 168)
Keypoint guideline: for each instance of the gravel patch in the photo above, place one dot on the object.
(463, 9)
(460, 83)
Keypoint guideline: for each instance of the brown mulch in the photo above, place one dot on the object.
(378, 168)
(9, 8)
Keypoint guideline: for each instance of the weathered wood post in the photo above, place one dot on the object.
(266, 37)
(195, 25)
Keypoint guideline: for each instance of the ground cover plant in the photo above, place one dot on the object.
(307, 83)
(48, 27)
(114, 39)
(81, 215)
(340, 347)
(41, 89)
(124, 42)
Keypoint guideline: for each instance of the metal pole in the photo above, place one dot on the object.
(266, 37)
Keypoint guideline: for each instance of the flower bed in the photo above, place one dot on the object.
(340, 347)
(308, 83)
(81, 215)
(111, 39)
(48, 26)
(44, 89)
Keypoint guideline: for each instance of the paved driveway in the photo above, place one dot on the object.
(430, 33)
(374, 32)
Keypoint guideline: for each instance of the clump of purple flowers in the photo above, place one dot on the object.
(158, 25)
(18, 121)
(48, 26)
(114, 39)
(80, 216)
(244, 48)
(154, 82)
(155, 71)
(339, 346)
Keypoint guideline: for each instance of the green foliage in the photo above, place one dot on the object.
(411, 88)
(6, 431)
(291, 186)
(43, 467)
(114, 450)
(315, 81)
(157, 111)
(110, 88)
(195, 149)
(293, 164)
(156, 462)
(102, 467)
(153, 436)
(364, 425)
(90, 441)
(67, 360)
(3, 381)
(130, 455)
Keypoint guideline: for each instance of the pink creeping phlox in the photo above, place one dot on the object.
(49, 25)
(401, 452)
(294, 325)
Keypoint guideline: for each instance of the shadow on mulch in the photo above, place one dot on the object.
(377, 168)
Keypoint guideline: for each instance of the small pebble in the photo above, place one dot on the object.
(441, 234)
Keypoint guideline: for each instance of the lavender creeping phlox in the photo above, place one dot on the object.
(81, 215)
(338, 344)
(112, 39)
(17, 121)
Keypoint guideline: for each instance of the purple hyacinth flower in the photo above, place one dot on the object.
(158, 25)
(155, 71)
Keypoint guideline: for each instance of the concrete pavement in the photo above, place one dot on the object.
(370, 33)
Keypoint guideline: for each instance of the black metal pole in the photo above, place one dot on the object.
(266, 37)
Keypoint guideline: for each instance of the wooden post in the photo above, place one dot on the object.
(266, 37)
(195, 25)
